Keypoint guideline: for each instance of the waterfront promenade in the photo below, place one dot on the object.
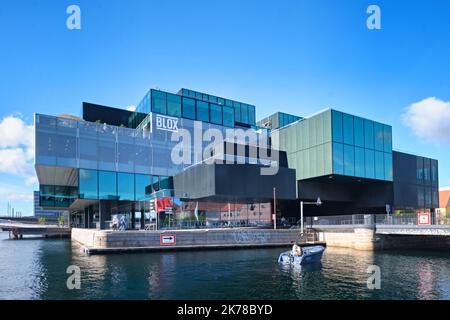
(368, 233)
(17, 229)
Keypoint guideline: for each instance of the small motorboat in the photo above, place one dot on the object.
(299, 255)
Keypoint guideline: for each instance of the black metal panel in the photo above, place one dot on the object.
(98, 113)
(358, 193)
(242, 182)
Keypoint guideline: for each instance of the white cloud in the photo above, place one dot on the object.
(31, 180)
(14, 193)
(429, 119)
(13, 161)
(17, 148)
(14, 133)
(131, 108)
(17, 159)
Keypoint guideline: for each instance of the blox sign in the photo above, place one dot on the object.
(166, 123)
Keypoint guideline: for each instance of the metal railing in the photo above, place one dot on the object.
(373, 219)
(174, 224)
(356, 219)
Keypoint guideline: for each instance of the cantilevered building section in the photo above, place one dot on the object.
(349, 163)
(114, 161)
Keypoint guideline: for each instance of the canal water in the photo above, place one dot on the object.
(36, 269)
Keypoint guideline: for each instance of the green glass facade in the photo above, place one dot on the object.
(361, 147)
(277, 120)
(333, 142)
(308, 145)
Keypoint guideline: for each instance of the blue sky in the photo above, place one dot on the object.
(294, 56)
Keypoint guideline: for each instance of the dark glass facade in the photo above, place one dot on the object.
(243, 113)
(196, 106)
(416, 183)
(108, 185)
(57, 196)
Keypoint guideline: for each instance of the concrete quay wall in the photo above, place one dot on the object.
(367, 238)
(109, 241)
(359, 238)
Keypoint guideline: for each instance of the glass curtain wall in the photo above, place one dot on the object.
(361, 147)
(308, 146)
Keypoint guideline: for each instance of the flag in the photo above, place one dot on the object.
(196, 211)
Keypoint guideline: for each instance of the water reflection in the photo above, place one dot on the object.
(37, 270)
(425, 289)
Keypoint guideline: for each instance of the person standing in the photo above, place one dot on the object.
(115, 225)
(123, 222)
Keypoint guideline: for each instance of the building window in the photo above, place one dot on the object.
(143, 186)
(189, 108)
(212, 99)
(420, 196)
(125, 186)
(358, 131)
(419, 170)
(251, 115)
(159, 102)
(349, 160)
(174, 105)
(337, 126)
(228, 116)
(64, 196)
(387, 137)
(379, 165)
(88, 184)
(338, 158)
(388, 174)
(155, 183)
(359, 162)
(202, 111)
(237, 111)
(434, 173)
(368, 134)
(379, 136)
(244, 113)
(107, 185)
(348, 129)
(47, 196)
(166, 183)
(369, 163)
(427, 170)
(216, 113)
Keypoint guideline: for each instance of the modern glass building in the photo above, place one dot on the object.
(112, 161)
(40, 212)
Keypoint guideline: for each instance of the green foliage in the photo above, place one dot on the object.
(42, 220)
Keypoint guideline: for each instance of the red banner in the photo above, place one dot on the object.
(163, 203)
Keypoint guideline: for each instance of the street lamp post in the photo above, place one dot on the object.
(274, 209)
(317, 203)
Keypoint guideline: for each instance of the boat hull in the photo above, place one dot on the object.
(311, 254)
